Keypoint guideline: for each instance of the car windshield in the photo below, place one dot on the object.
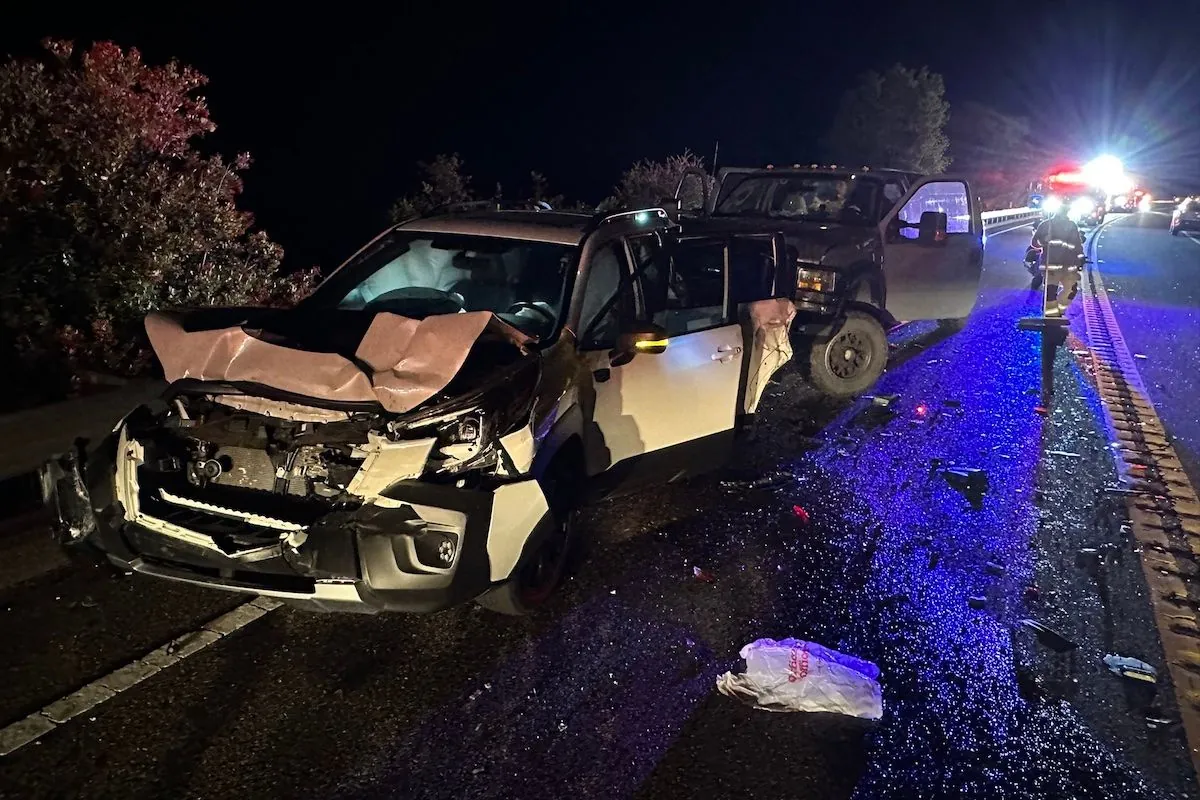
(422, 274)
(816, 196)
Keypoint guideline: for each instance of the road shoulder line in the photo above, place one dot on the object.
(1162, 504)
(23, 731)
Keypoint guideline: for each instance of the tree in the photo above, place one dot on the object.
(648, 183)
(442, 182)
(894, 119)
(107, 211)
(995, 151)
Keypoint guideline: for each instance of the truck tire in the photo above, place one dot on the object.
(539, 575)
(846, 359)
(952, 325)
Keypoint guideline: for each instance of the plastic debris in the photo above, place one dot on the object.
(971, 483)
(702, 575)
(1063, 453)
(977, 603)
(993, 568)
(794, 675)
(1048, 637)
(1041, 410)
(1138, 355)
(1132, 668)
(801, 515)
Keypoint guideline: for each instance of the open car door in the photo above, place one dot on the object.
(662, 415)
(933, 251)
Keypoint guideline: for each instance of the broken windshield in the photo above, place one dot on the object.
(422, 274)
(817, 196)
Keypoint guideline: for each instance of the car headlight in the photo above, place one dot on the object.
(468, 429)
(1052, 204)
(815, 280)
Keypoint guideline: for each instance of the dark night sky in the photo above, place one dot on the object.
(336, 106)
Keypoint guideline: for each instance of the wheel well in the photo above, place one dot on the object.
(566, 471)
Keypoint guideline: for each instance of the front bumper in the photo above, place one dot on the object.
(1186, 224)
(384, 556)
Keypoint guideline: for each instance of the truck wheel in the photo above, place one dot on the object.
(951, 325)
(846, 360)
(541, 573)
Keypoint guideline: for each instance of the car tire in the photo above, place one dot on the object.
(847, 358)
(952, 325)
(537, 577)
(542, 572)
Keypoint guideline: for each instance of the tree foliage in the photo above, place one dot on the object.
(894, 119)
(995, 151)
(442, 183)
(648, 183)
(108, 210)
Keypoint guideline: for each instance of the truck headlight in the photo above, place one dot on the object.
(1052, 204)
(815, 280)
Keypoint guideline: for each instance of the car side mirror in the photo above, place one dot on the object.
(932, 227)
(637, 338)
(671, 206)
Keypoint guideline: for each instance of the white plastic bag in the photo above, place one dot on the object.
(792, 675)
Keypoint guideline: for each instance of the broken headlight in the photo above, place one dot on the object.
(815, 280)
(470, 439)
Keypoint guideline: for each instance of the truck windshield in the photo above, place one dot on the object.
(422, 274)
(816, 196)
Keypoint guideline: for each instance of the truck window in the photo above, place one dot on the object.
(946, 196)
(751, 269)
(687, 292)
(601, 309)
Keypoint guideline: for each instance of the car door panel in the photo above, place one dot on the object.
(936, 279)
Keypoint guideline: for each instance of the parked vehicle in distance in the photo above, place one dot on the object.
(1186, 216)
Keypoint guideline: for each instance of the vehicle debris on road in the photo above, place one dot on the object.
(1131, 668)
(794, 675)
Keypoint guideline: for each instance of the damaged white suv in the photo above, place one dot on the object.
(419, 431)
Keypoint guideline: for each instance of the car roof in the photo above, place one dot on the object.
(553, 227)
(829, 169)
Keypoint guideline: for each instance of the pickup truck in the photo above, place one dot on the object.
(873, 248)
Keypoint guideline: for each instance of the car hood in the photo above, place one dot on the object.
(334, 356)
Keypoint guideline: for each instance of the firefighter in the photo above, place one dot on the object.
(1060, 245)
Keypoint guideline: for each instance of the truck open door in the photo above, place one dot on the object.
(933, 251)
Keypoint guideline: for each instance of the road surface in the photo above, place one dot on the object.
(610, 692)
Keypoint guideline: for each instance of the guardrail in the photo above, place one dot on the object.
(1008, 216)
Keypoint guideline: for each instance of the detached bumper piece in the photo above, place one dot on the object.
(65, 494)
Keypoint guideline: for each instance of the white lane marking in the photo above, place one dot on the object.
(1191, 238)
(24, 731)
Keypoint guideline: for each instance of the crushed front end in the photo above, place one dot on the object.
(338, 509)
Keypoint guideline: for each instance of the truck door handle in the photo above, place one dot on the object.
(729, 348)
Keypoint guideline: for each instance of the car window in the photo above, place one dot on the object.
(602, 309)
(417, 275)
(751, 269)
(686, 292)
(949, 197)
(893, 191)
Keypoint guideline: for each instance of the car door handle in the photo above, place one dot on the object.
(725, 353)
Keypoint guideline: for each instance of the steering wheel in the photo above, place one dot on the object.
(521, 305)
(439, 302)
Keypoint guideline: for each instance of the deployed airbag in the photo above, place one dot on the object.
(403, 361)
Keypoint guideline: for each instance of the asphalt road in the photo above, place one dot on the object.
(610, 692)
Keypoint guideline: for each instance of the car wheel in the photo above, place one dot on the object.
(845, 360)
(542, 571)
